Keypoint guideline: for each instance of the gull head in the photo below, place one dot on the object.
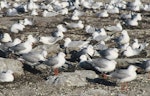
(17, 41)
(31, 39)
(67, 41)
(132, 68)
(83, 58)
(61, 54)
(61, 28)
(6, 38)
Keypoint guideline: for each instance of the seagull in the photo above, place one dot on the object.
(27, 22)
(56, 62)
(15, 42)
(12, 12)
(5, 38)
(50, 40)
(131, 22)
(125, 75)
(100, 36)
(103, 14)
(117, 28)
(101, 46)
(89, 29)
(146, 7)
(4, 4)
(113, 10)
(32, 5)
(80, 44)
(137, 45)
(6, 76)
(34, 12)
(129, 52)
(88, 50)
(49, 14)
(99, 64)
(24, 47)
(123, 38)
(79, 25)
(110, 53)
(15, 28)
(61, 28)
(35, 56)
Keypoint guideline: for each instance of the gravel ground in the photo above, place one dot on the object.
(33, 82)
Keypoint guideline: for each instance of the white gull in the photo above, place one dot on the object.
(6, 76)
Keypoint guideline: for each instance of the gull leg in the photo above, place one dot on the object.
(148, 75)
(104, 76)
(56, 71)
(122, 86)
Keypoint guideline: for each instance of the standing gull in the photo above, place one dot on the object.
(56, 62)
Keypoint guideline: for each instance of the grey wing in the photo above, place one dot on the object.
(33, 58)
(52, 61)
(99, 63)
(100, 38)
(120, 74)
(18, 47)
(104, 53)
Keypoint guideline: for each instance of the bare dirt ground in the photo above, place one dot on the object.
(32, 83)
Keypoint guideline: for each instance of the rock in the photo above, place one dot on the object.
(95, 92)
(77, 78)
(11, 64)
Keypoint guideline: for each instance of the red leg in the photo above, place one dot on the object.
(104, 76)
(122, 86)
(56, 71)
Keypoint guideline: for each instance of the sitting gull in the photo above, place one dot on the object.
(123, 38)
(76, 44)
(7, 76)
(5, 37)
(15, 28)
(24, 47)
(125, 75)
(79, 25)
(129, 52)
(34, 56)
(99, 64)
(110, 53)
(147, 67)
(116, 28)
(50, 40)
